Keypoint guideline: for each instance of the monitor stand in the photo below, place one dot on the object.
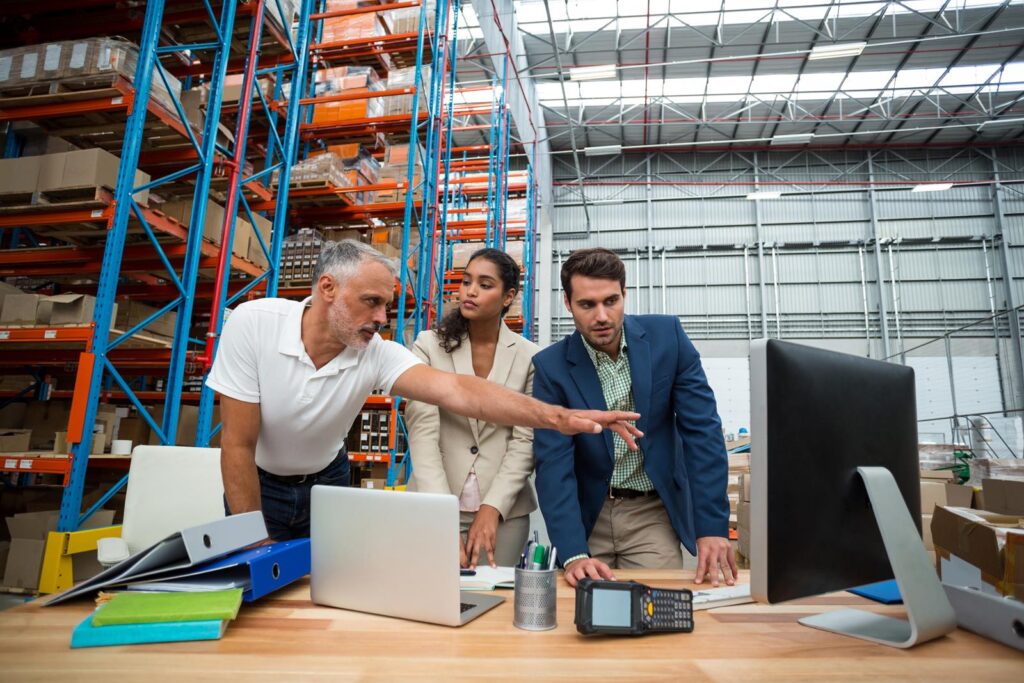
(929, 614)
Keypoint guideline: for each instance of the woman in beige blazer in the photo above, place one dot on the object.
(485, 465)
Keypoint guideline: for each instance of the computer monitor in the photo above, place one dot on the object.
(835, 488)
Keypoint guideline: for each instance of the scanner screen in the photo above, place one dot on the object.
(611, 608)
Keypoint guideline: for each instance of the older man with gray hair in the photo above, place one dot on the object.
(293, 376)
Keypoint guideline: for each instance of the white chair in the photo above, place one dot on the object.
(170, 488)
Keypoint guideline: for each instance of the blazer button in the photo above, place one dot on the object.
(474, 450)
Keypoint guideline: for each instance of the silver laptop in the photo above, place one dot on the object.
(394, 553)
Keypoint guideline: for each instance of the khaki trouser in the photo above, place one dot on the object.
(508, 544)
(633, 533)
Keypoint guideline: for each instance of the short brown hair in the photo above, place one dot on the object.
(597, 263)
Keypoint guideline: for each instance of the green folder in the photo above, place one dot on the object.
(150, 608)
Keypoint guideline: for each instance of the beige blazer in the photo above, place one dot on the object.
(444, 446)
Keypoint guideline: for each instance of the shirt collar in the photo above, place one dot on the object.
(597, 357)
(290, 341)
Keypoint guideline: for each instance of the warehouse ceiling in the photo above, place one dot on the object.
(748, 74)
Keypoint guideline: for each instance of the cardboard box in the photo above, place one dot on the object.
(374, 483)
(60, 443)
(942, 475)
(960, 496)
(933, 493)
(134, 429)
(28, 541)
(980, 549)
(15, 440)
(213, 218)
(1004, 496)
(745, 486)
(131, 313)
(20, 309)
(45, 418)
(19, 175)
(83, 169)
(926, 531)
(71, 309)
(188, 422)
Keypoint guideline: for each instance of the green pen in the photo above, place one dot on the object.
(538, 558)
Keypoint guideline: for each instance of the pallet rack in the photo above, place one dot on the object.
(127, 251)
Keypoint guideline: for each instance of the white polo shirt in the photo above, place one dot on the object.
(305, 413)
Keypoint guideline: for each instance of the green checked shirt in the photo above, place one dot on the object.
(617, 387)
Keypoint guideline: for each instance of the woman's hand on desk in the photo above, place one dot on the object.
(483, 533)
(587, 567)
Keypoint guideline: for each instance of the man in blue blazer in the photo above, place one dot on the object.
(607, 506)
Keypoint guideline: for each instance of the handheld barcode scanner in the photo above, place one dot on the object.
(631, 608)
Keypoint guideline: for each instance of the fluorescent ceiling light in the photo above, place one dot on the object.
(932, 187)
(794, 139)
(605, 150)
(836, 51)
(999, 122)
(756, 196)
(603, 72)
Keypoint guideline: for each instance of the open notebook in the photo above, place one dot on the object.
(488, 578)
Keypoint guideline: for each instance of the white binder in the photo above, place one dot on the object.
(181, 550)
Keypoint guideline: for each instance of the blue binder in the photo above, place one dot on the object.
(258, 571)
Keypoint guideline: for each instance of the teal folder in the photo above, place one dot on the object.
(87, 635)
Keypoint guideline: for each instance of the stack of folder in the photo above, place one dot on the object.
(131, 618)
(209, 557)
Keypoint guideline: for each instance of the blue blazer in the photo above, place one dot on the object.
(684, 451)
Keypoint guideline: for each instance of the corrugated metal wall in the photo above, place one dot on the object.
(939, 253)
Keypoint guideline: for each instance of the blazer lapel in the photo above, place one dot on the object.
(462, 359)
(639, 353)
(584, 374)
(504, 356)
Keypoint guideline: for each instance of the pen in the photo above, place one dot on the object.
(538, 558)
(551, 560)
(529, 555)
(522, 556)
(467, 572)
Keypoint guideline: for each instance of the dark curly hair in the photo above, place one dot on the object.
(454, 327)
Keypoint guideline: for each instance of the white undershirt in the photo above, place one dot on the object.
(305, 413)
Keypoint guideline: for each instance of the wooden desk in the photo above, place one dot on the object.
(286, 637)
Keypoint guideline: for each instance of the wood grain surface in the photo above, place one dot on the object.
(286, 637)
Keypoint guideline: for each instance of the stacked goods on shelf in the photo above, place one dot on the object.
(244, 243)
(395, 170)
(300, 251)
(342, 80)
(63, 176)
(36, 68)
(401, 105)
(359, 167)
(354, 27)
(299, 254)
(407, 19)
(322, 170)
(462, 251)
(29, 309)
(370, 437)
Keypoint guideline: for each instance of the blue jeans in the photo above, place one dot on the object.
(286, 505)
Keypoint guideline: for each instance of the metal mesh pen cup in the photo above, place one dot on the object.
(535, 599)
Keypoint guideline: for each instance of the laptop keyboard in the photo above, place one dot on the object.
(465, 607)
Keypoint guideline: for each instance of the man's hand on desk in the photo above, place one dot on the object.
(714, 553)
(587, 567)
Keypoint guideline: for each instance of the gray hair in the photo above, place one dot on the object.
(342, 259)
